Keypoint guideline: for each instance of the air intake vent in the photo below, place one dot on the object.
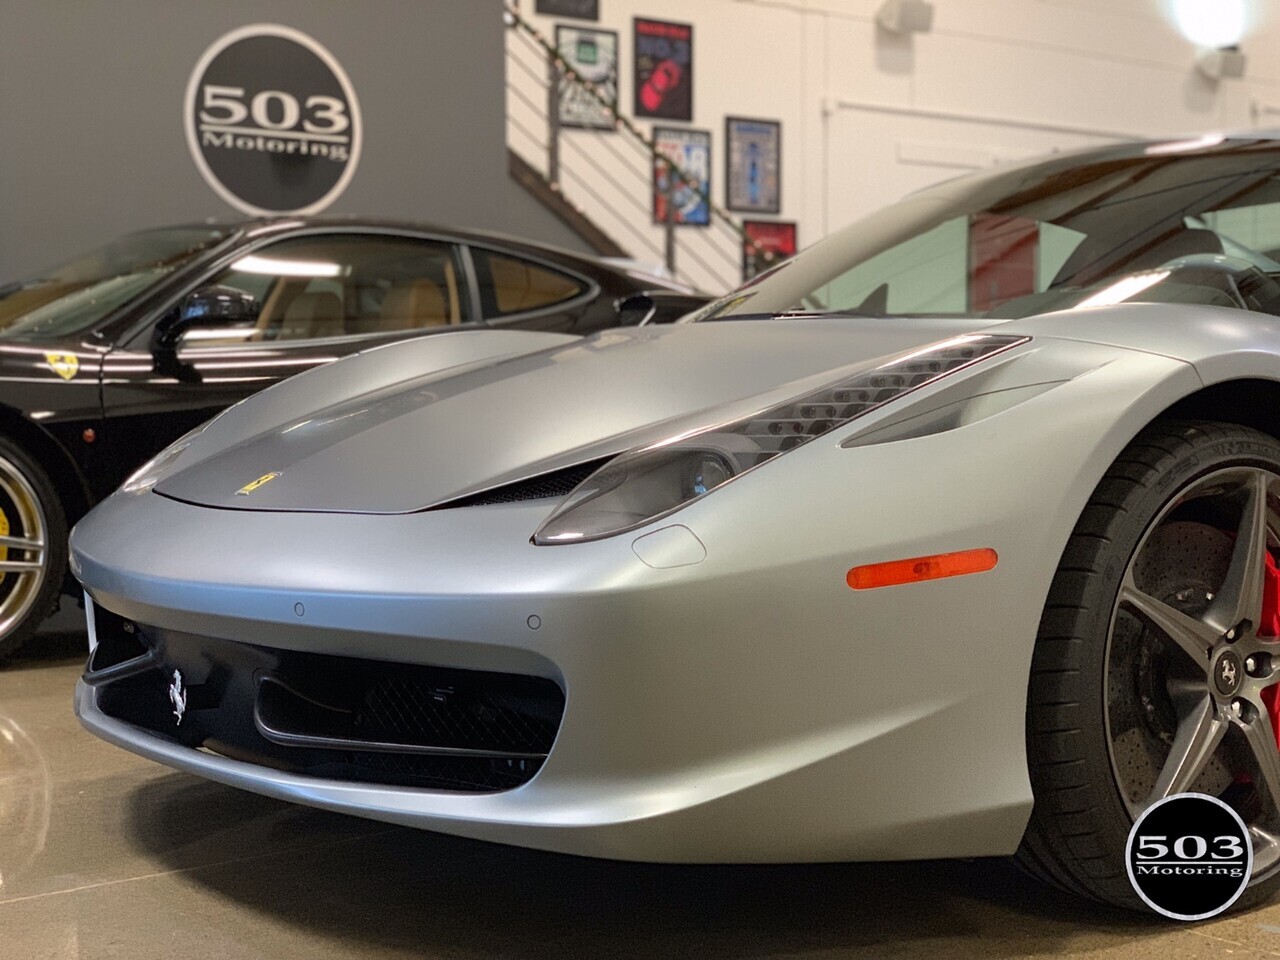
(559, 483)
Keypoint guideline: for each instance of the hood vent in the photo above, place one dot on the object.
(557, 483)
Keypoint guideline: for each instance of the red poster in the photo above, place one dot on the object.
(768, 243)
(663, 69)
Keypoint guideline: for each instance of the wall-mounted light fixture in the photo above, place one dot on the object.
(906, 16)
(1227, 63)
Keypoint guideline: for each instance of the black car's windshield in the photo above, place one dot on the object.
(74, 296)
(1194, 222)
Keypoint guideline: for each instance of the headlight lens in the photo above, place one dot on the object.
(644, 485)
(159, 466)
(633, 488)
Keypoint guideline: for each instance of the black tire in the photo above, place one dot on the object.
(1084, 804)
(22, 478)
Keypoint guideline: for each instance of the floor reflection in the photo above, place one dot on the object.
(25, 793)
(345, 878)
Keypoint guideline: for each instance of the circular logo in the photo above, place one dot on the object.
(1189, 856)
(272, 121)
(1227, 673)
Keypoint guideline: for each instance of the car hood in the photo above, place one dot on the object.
(427, 440)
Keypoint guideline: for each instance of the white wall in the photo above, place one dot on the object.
(869, 116)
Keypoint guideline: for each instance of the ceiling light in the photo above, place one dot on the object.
(1212, 23)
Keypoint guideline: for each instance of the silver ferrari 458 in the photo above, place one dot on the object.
(951, 536)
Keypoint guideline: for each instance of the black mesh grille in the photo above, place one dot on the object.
(475, 718)
(558, 483)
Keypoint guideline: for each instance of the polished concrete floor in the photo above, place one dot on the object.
(105, 855)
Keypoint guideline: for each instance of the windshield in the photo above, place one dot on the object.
(74, 296)
(1159, 223)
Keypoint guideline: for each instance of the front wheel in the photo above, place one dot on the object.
(33, 547)
(1156, 667)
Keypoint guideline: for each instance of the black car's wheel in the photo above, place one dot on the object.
(33, 547)
(1163, 585)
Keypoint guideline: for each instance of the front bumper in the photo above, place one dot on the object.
(709, 717)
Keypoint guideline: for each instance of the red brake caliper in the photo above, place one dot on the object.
(1270, 627)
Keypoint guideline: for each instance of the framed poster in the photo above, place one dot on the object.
(594, 55)
(690, 150)
(663, 77)
(576, 9)
(753, 165)
(776, 241)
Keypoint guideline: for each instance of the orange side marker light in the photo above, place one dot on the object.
(922, 568)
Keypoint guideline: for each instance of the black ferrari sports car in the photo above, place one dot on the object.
(107, 359)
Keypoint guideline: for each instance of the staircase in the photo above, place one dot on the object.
(600, 182)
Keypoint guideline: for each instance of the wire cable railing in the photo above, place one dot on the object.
(605, 172)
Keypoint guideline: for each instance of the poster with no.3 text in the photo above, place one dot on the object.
(689, 188)
(663, 81)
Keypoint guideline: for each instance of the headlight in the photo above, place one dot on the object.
(644, 485)
(159, 466)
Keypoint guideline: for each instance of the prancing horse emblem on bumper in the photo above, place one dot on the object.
(178, 697)
(263, 480)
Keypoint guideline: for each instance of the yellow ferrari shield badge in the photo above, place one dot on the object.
(65, 365)
(253, 485)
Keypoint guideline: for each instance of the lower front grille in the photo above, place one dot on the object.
(500, 715)
(335, 717)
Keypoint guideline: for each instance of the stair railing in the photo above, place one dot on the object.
(605, 182)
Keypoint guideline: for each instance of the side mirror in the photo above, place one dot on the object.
(223, 311)
(635, 310)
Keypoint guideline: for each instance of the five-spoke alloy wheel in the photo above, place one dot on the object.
(1158, 657)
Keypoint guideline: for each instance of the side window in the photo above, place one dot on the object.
(350, 285)
(1247, 231)
(509, 285)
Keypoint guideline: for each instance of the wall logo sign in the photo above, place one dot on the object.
(272, 121)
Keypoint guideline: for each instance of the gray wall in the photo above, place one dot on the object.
(91, 96)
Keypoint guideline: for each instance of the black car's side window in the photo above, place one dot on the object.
(350, 285)
(511, 285)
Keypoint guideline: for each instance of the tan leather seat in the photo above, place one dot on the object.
(312, 315)
(410, 306)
